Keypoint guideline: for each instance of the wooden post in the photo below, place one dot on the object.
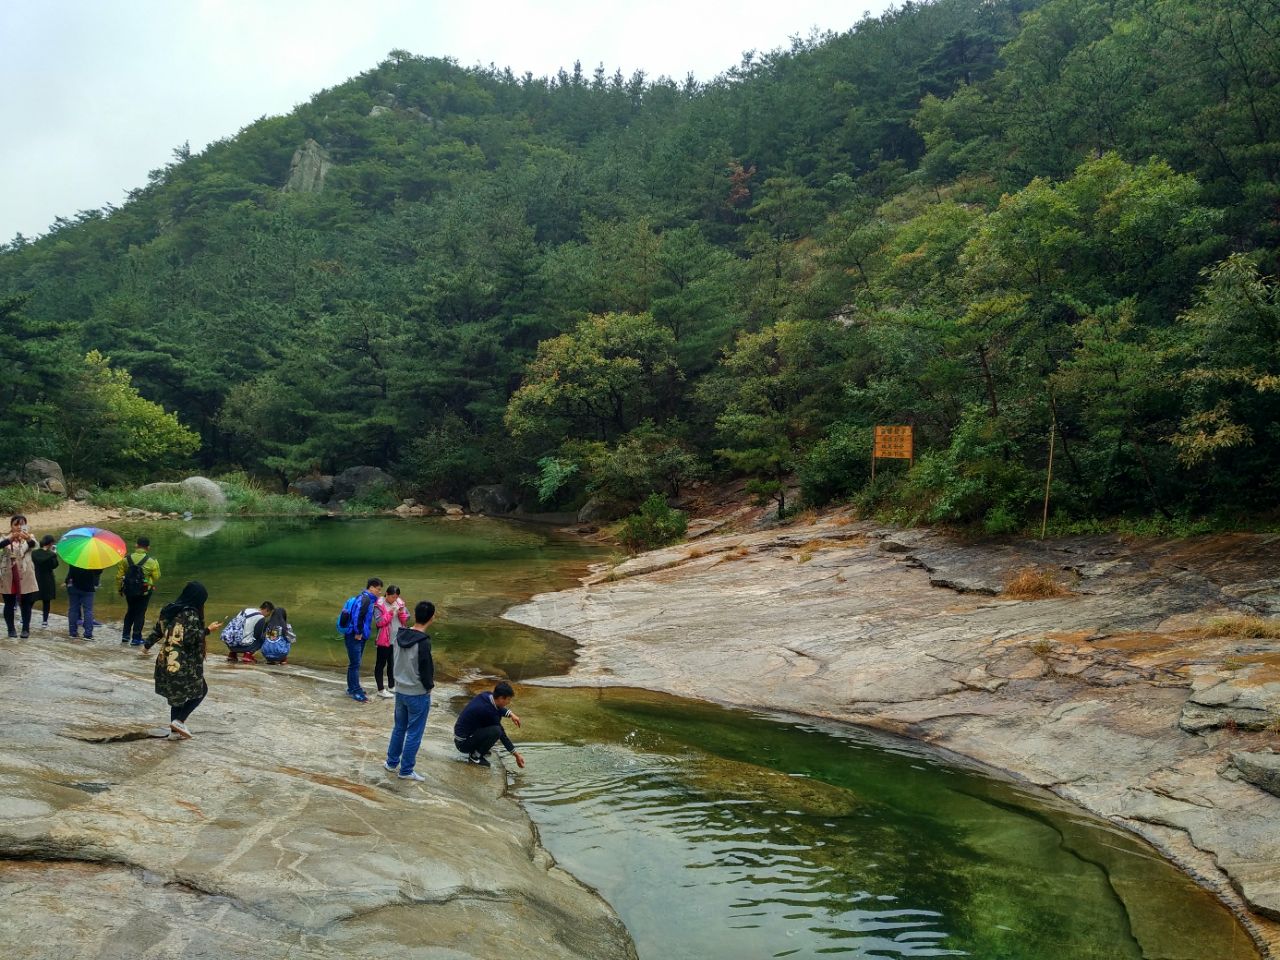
(1044, 522)
(873, 454)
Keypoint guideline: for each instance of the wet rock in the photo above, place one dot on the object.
(491, 498)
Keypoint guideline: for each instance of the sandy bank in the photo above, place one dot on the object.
(274, 833)
(1113, 696)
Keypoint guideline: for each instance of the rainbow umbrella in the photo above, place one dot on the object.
(91, 548)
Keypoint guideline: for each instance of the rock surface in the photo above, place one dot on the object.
(274, 834)
(308, 169)
(1260, 769)
(491, 498)
(359, 481)
(202, 488)
(45, 475)
(317, 489)
(905, 631)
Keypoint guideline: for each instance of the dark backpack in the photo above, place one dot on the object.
(135, 578)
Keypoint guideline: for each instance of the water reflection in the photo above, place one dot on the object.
(805, 841)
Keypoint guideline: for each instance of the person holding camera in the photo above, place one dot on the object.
(18, 575)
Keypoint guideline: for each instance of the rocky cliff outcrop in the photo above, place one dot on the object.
(274, 834)
(908, 631)
(309, 167)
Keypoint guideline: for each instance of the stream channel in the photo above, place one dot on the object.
(719, 833)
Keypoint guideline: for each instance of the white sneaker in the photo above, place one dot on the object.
(414, 775)
(180, 728)
(387, 694)
(389, 767)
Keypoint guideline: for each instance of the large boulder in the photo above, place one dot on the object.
(317, 489)
(491, 498)
(600, 510)
(202, 488)
(356, 482)
(45, 475)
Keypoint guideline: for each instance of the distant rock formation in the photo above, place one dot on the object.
(45, 475)
(310, 165)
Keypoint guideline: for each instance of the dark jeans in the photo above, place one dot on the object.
(355, 651)
(134, 617)
(406, 733)
(384, 662)
(80, 607)
(181, 713)
(480, 742)
(16, 601)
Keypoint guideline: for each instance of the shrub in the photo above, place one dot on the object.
(654, 525)
(371, 501)
(1032, 583)
(837, 466)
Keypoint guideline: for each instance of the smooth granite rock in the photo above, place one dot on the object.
(906, 631)
(274, 833)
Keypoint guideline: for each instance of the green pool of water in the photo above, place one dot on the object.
(717, 833)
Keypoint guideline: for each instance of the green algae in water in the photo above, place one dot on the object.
(718, 833)
(471, 568)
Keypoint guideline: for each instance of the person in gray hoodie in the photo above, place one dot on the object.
(415, 674)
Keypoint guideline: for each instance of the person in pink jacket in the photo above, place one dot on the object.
(386, 612)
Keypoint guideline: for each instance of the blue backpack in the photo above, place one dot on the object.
(348, 617)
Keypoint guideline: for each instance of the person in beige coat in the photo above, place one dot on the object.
(18, 575)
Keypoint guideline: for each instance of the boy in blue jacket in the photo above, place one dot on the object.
(479, 725)
(357, 634)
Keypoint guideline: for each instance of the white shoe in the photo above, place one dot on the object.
(414, 775)
(180, 728)
(388, 767)
(387, 694)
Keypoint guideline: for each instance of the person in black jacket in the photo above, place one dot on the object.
(479, 725)
(81, 586)
(45, 560)
(415, 674)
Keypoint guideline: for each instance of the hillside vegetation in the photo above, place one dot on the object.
(985, 218)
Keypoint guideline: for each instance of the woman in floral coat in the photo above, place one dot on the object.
(180, 663)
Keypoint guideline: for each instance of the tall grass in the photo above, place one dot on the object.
(21, 498)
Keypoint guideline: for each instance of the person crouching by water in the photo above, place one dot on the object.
(278, 638)
(245, 633)
(479, 725)
(180, 662)
(415, 674)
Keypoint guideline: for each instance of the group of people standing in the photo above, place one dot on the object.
(404, 669)
(27, 576)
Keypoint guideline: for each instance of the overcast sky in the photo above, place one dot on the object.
(95, 93)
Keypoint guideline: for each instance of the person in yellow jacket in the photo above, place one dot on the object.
(136, 579)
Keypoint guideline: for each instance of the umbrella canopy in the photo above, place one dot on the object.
(91, 548)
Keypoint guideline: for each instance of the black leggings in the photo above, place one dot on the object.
(384, 661)
(181, 713)
(44, 609)
(24, 602)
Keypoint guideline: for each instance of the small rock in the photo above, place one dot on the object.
(1260, 769)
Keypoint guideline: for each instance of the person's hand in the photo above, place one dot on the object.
(216, 625)
(519, 760)
(514, 718)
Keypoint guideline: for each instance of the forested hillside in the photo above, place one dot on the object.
(986, 218)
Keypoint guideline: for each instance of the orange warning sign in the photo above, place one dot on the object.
(894, 443)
